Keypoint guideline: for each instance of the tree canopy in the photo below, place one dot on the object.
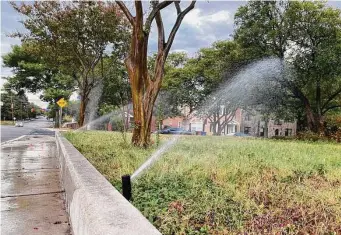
(72, 37)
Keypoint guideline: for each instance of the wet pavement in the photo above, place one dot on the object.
(31, 194)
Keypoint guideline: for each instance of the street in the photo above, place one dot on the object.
(31, 127)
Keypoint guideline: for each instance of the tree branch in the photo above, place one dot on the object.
(337, 92)
(228, 118)
(139, 11)
(330, 108)
(126, 11)
(176, 26)
(161, 32)
(157, 7)
(177, 6)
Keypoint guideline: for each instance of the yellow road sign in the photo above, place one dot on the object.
(62, 103)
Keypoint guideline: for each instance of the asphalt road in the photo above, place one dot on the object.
(31, 127)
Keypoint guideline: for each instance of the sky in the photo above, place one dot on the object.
(208, 22)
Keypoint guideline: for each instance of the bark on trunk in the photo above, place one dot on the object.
(310, 117)
(144, 89)
(266, 128)
(204, 124)
(82, 111)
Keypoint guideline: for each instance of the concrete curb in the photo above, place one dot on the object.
(95, 207)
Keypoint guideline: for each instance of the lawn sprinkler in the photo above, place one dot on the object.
(126, 187)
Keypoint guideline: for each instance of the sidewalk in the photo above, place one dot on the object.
(31, 194)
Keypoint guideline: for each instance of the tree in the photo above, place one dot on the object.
(32, 73)
(73, 37)
(21, 107)
(316, 31)
(116, 87)
(262, 28)
(196, 84)
(304, 35)
(145, 86)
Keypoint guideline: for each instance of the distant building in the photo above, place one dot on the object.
(129, 122)
(255, 125)
(195, 124)
(242, 121)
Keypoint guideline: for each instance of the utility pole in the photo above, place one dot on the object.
(9, 90)
(27, 111)
(21, 110)
(12, 106)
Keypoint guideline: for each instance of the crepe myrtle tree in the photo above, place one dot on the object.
(145, 85)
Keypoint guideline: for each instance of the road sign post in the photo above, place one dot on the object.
(60, 116)
(61, 103)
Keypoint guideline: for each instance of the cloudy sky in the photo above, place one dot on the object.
(208, 22)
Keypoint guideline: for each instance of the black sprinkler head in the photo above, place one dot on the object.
(126, 187)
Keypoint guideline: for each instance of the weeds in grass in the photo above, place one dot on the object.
(219, 185)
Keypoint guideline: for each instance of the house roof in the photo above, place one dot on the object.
(233, 122)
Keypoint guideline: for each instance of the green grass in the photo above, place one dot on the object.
(6, 123)
(219, 185)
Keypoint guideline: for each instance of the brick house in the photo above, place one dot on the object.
(129, 122)
(200, 124)
(241, 122)
(255, 126)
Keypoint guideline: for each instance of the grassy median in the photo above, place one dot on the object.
(6, 123)
(220, 185)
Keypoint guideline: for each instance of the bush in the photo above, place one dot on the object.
(308, 135)
(333, 127)
(67, 118)
(283, 137)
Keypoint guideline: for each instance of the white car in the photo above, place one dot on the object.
(19, 124)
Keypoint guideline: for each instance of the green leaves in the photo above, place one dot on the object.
(306, 35)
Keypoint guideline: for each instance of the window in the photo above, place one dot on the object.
(247, 130)
(179, 124)
(288, 132)
(261, 132)
(211, 127)
(276, 132)
(231, 129)
(247, 117)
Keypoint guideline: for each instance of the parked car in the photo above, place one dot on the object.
(19, 124)
(174, 131)
(163, 131)
(241, 134)
(179, 131)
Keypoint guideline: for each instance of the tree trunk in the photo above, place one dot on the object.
(82, 111)
(318, 118)
(310, 117)
(204, 125)
(220, 128)
(266, 127)
(144, 89)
